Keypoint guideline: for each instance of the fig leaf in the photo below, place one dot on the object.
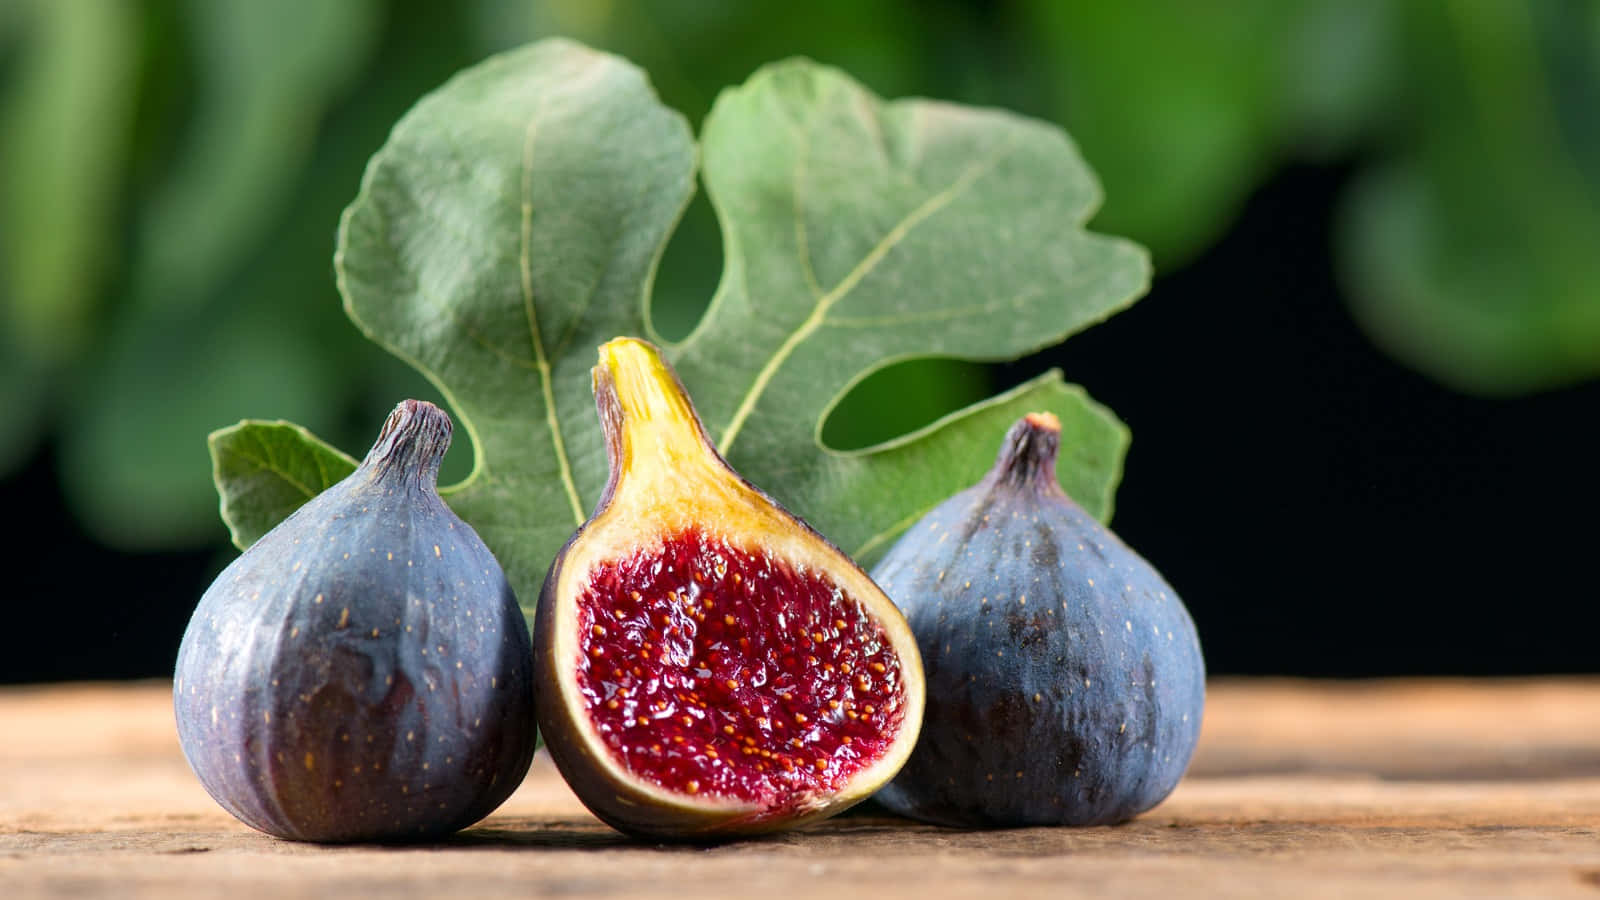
(267, 470)
(515, 218)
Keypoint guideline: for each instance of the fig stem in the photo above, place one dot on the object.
(412, 444)
(1027, 457)
(644, 408)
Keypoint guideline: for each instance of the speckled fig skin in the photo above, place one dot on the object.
(362, 672)
(1064, 676)
(665, 476)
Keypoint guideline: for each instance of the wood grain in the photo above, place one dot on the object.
(1424, 788)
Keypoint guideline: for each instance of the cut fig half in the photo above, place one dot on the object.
(709, 665)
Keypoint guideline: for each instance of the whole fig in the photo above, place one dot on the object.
(709, 665)
(362, 672)
(1065, 681)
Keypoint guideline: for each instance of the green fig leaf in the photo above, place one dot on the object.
(858, 233)
(515, 218)
(963, 447)
(269, 470)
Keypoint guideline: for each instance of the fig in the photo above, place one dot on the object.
(362, 672)
(1064, 676)
(708, 664)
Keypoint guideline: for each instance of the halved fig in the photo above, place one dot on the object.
(708, 665)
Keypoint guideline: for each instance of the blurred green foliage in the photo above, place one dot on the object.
(1473, 247)
(171, 173)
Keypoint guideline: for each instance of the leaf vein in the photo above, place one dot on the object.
(541, 362)
(868, 262)
(265, 462)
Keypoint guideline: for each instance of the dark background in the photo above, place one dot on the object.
(1324, 507)
(1323, 510)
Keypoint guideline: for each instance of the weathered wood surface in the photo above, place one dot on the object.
(1300, 789)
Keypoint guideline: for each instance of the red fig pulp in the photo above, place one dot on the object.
(710, 670)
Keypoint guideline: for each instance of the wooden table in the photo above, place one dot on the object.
(1300, 789)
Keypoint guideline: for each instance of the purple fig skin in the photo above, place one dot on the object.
(1064, 676)
(363, 671)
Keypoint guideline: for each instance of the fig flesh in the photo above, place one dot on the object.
(1065, 680)
(362, 672)
(710, 666)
